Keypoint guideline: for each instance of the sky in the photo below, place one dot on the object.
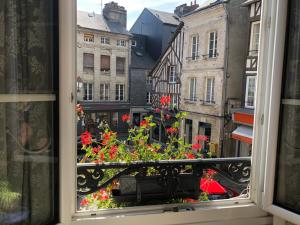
(133, 7)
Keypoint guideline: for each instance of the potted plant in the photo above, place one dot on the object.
(148, 182)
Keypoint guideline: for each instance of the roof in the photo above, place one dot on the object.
(165, 17)
(98, 22)
(205, 5)
(249, 2)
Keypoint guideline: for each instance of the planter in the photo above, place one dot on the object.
(141, 189)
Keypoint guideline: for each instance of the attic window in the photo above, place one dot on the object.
(88, 38)
(133, 43)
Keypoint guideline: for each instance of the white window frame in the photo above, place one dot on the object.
(149, 97)
(105, 90)
(89, 85)
(196, 45)
(192, 97)
(121, 42)
(247, 92)
(211, 99)
(215, 45)
(105, 40)
(253, 51)
(118, 95)
(234, 211)
(172, 74)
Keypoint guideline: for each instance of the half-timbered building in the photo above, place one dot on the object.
(243, 117)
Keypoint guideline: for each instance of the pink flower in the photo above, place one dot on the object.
(104, 195)
(168, 117)
(201, 138)
(157, 110)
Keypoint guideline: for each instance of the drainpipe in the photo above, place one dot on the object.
(225, 76)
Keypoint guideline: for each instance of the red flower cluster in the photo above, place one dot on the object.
(112, 152)
(96, 150)
(165, 100)
(190, 156)
(103, 195)
(196, 146)
(84, 202)
(201, 138)
(126, 118)
(157, 110)
(86, 138)
(144, 123)
(172, 130)
(210, 172)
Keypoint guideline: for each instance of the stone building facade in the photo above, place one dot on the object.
(214, 54)
(103, 58)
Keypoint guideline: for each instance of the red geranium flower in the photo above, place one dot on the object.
(107, 136)
(144, 123)
(102, 156)
(190, 156)
(165, 100)
(196, 146)
(104, 195)
(210, 172)
(84, 202)
(86, 138)
(201, 138)
(125, 118)
(112, 152)
(172, 130)
(96, 150)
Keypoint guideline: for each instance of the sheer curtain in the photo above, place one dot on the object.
(28, 160)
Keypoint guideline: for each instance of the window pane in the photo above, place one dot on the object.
(28, 163)
(120, 65)
(26, 46)
(287, 191)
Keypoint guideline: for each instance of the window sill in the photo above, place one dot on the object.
(215, 212)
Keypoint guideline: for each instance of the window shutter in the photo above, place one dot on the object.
(105, 62)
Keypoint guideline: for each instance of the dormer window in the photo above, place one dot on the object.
(88, 37)
(133, 43)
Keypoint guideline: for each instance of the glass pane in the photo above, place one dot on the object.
(28, 163)
(27, 54)
(287, 190)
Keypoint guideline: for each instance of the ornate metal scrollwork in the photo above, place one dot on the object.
(240, 171)
(88, 179)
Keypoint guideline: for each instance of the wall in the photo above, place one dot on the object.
(98, 49)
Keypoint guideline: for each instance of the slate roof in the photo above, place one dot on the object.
(165, 17)
(98, 22)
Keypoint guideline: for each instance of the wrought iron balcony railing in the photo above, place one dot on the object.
(172, 176)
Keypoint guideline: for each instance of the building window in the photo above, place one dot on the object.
(88, 91)
(250, 92)
(192, 94)
(120, 65)
(210, 89)
(148, 98)
(121, 43)
(105, 40)
(105, 63)
(149, 80)
(195, 47)
(133, 43)
(213, 42)
(172, 74)
(120, 92)
(104, 92)
(254, 39)
(88, 38)
(88, 62)
(174, 100)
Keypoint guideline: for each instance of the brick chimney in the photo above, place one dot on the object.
(112, 12)
(184, 8)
